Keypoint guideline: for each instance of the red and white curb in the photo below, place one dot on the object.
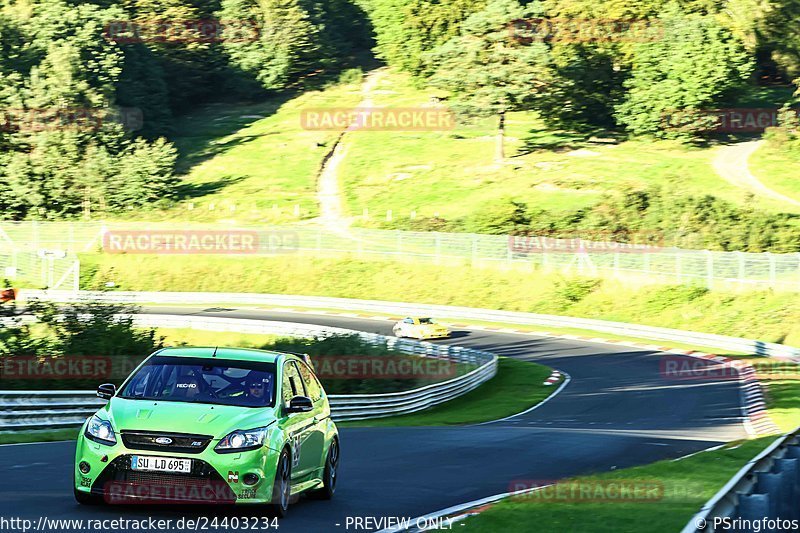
(554, 378)
(756, 420)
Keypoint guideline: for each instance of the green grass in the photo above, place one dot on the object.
(38, 435)
(452, 173)
(783, 403)
(777, 169)
(516, 387)
(252, 163)
(195, 337)
(687, 485)
(764, 315)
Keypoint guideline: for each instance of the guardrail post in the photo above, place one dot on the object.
(754, 506)
(771, 484)
(790, 468)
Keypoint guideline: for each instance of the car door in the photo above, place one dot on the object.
(299, 426)
(322, 412)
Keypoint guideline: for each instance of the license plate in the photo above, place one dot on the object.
(161, 464)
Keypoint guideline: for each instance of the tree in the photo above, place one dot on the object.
(286, 47)
(407, 29)
(488, 71)
(693, 66)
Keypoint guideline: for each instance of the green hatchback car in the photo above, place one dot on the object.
(210, 425)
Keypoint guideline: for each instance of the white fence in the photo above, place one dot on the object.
(736, 344)
(20, 410)
(653, 261)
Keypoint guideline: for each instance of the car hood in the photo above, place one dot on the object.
(180, 417)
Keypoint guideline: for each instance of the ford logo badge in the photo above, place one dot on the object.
(163, 440)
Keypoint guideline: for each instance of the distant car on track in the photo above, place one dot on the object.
(210, 425)
(420, 328)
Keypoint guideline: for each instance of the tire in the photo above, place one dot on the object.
(330, 475)
(86, 498)
(282, 487)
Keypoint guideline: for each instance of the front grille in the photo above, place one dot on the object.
(181, 442)
(165, 479)
(117, 483)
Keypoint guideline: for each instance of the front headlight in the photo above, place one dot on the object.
(242, 440)
(100, 430)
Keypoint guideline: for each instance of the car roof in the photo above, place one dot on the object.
(221, 352)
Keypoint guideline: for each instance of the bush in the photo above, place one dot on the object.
(82, 329)
(570, 291)
(350, 345)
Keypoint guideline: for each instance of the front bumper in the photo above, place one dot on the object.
(436, 335)
(214, 479)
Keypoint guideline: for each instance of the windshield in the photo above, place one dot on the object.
(199, 380)
(427, 321)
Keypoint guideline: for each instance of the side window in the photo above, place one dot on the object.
(292, 382)
(310, 381)
(408, 321)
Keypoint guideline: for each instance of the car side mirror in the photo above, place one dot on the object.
(106, 391)
(299, 404)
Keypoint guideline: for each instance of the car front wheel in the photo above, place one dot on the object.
(282, 488)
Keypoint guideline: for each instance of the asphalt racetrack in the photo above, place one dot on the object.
(616, 412)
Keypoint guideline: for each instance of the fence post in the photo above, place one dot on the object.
(772, 276)
(709, 269)
(740, 258)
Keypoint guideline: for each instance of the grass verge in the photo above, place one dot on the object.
(196, 337)
(516, 387)
(47, 435)
(777, 169)
(765, 315)
(686, 484)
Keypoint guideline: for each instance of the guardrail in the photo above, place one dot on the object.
(766, 488)
(737, 344)
(20, 410)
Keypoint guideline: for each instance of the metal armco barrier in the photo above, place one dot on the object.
(22, 410)
(778, 351)
(767, 488)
